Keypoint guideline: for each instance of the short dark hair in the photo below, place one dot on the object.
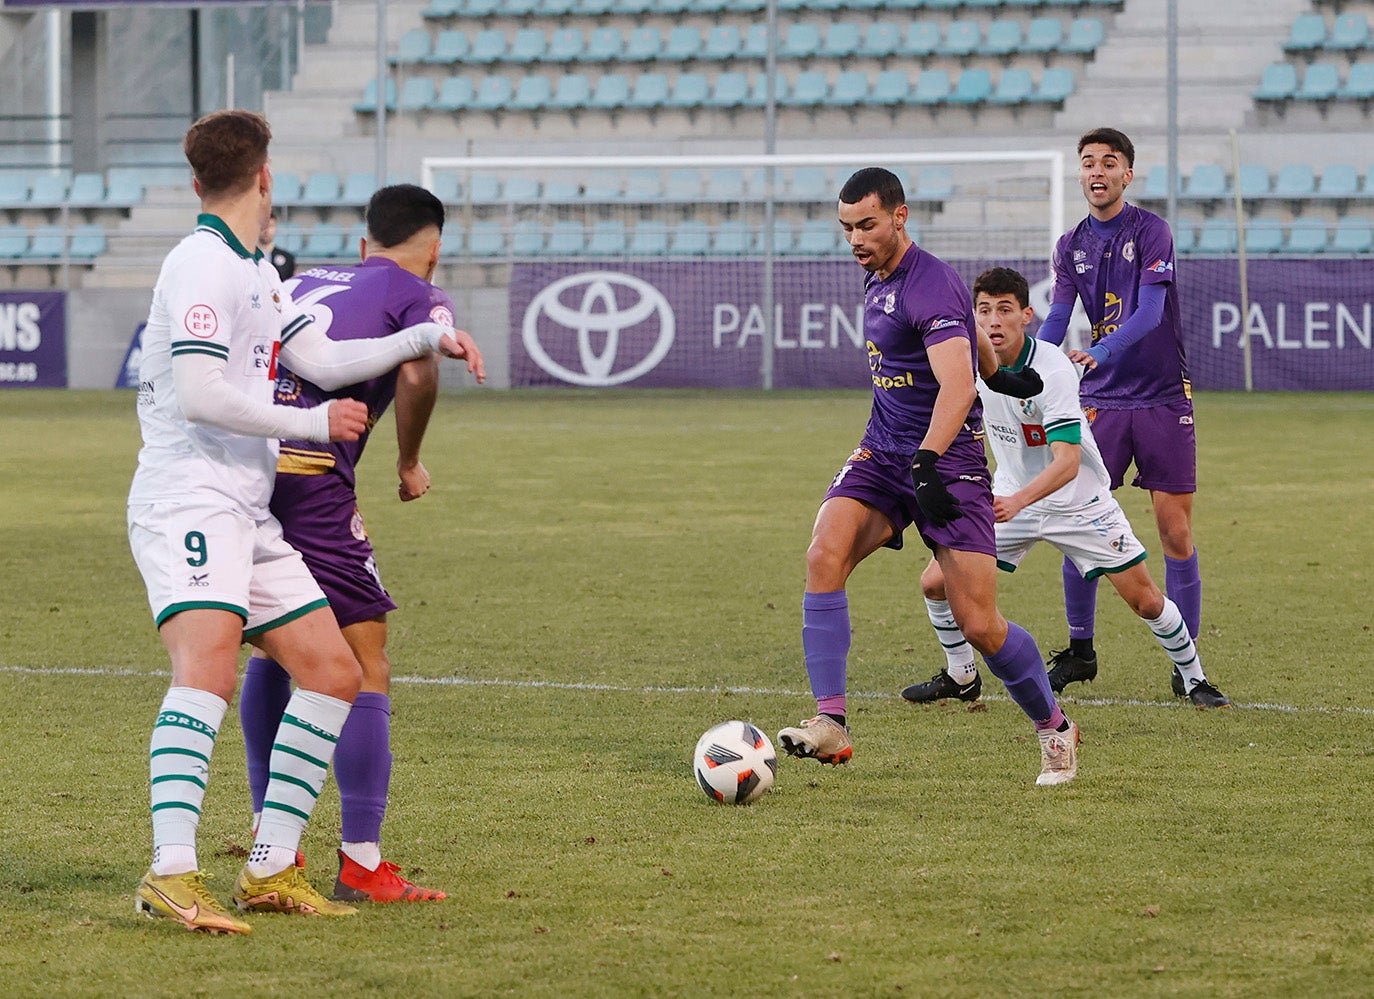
(398, 212)
(999, 281)
(1111, 138)
(874, 180)
(226, 149)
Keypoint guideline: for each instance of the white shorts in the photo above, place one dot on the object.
(1098, 540)
(197, 555)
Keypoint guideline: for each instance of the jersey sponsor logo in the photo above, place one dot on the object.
(1034, 435)
(1128, 251)
(200, 321)
(1112, 307)
(1185, 421)
(442, 315)
(577, 328)
(1161, 266)
(903, 379)
(264, 357)
(288, 388)
(944, 324)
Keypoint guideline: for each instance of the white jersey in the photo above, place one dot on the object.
(212, 297)
(1020, 431)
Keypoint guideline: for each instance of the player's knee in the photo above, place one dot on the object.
(933, 582)
(825, 566)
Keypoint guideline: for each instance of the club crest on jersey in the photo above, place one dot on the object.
(890, 303)
(1090, 412)
(1128, 251)
(442, 315)
(1119, 543)
(1161, 266)
(1034, 434)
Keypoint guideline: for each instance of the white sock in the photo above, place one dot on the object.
(959, 661)
(299, 764)
(179, 767)
(1172, 634)
(368, 855)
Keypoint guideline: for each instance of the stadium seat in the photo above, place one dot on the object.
(1278, 82)
(683, 44)
(368, 103)
(1306, 236)
(650, 91)
(689, 90)
(557, 8)
(607, 238)
(486, 239)
(644, 45)
(784, 238)
(290, 237)
(532, 93)
(1207, 182)
(561, 191)
(479, 8)
(1339, 181)
(758, 93)
(725, 184)
(488, 46)
(682, 185)
(974, 87)
(611, 91)
(883, 39)
(327, 241)
(565, 45)
(731, 90)
(358, 188)
(1156, 184)
(527, 241)
(528, 46)
(14, 189)
(922, 39)
(87, 190)
(1359, 82)
(935, 183)
(125, 187)
(962, 38)
(1295, 182)
(1254, 181)
(732, 238)
(595, 8)
(14, 242)
(1351, 236)
(1014, 86)
(1056, 85)
(755, 42)
(450, 47)
(1185, 238)
(1085, 35)
(1349, 32)
(932, 87)
(649, 239)
(1043, 35)
(842, 40)
(321, 190)
(818, 238)
(566, 239)
(484, 189)
(49, 243)
(572, 91)
(1320, 83)
(440, 9)
(1217, 235)
(493, 93)
(892, 87)
(1307, 34)
(691, 238)
(455, 94)
(413, 47)
(723, 41)
(444, 186)
(88, 241)
(1003, 38)
(850, 90)
(417, 94)
(286, 189)
(521, 8)
(801, 41)
(1264, 234)
(809, 89)
(644, 186)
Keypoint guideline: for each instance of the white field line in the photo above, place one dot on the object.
(462, 681)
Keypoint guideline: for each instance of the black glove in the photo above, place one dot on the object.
(932, 497)
(1023, 384)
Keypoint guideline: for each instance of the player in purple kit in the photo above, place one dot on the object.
(1119, 262)
(921, 462)
(315, 500)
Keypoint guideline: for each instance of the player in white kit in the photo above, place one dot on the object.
(1050, 485)
(211, 554)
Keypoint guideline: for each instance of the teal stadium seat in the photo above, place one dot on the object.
(1307, 34)
(691, 238)
(290, 237)
(1352, 236)
(1003, 38)
(595, 8)
(1339, 181)
(493, 93)
(88, 241)
(1014, 86)
(1349, 33)
(1263, 235)
(486, 239)
(935, 183)
(49, 243)
(368, 103)
(1306, 237)
(1207, 182)
(1056, 85)
(758, 92)
(892, 87)
(1278, 82)
(1321, 82)
(1217, 235)
(819, 238)
(455, 94)
(882, 40)
(607, 238)
(801, 41)
(810, 184)
(488, 46)
(124, 187)
(643, 45)
(974, 87)
(1156, 186)
(850, 90)
(321, 190)
(784, 238)
(449, 48)
(932, 87)
(358, 188)
(612, 91)
(723, 41)
(683, 185)
(326, 241)
(809, 89)
(572, 91)
(1185, 238)
(922, 39)
(644, 186)
(842, 40)
(445, 186)
(286, 189)
(14, 189)
(527, 241)
(650, 91)
(440, 9)
(566, 239)
(413, 47)
(521, 8)
(1085, 35)
(649, 239)
(1254, 181)
(14, 242)
(683, 44)
(732, 238)
(731, 90)
(690, 90)
(479, 8)
(565, 45)
(528, 46)
(1295, 182)
(417, 94)
(1043, 35)
(725, 184)
(962, 38)
(532, 93)
(561, 191)
(1359, 82)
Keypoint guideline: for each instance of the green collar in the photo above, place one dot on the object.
(1023, 358)
(216, 223)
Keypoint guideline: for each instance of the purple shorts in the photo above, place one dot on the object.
(883, 481)
(321, 520)
(1160, 440)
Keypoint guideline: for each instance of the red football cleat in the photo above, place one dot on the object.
(357, 884)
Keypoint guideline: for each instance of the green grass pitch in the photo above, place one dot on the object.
(597, 578)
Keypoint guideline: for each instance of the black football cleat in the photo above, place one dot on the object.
(1204, 695)
(1067, 668)
(941, 686)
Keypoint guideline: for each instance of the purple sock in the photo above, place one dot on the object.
(1183, 584)
(362, 767)
(825, 641)
(1080, 601)
(1019, 666)
(262, 700)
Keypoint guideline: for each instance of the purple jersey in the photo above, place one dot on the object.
(1105, 272)
(923, 302)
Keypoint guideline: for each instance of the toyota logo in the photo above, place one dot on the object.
(594, 317)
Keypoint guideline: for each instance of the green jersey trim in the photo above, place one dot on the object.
(1113, 569)
(286, 618)
(1070, 432)
(294, 327)
(199, 605)
(216, 225)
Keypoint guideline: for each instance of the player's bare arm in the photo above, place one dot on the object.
(417, 390)
(464, 348)
(949, 361)
(1060, 472)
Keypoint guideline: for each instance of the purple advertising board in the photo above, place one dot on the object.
(33, 339)
(657, 323)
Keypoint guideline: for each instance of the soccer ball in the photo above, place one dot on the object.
(735, 763)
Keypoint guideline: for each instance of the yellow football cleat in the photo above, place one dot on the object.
(285, 891)
(184, 898)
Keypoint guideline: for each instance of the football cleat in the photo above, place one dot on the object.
(1067, 668)
(1176, 683)
(941, 686)
(356, 883)
(285, 891)
(1204, 695)
(1058, 756)
(185, 899)
(820, 738)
